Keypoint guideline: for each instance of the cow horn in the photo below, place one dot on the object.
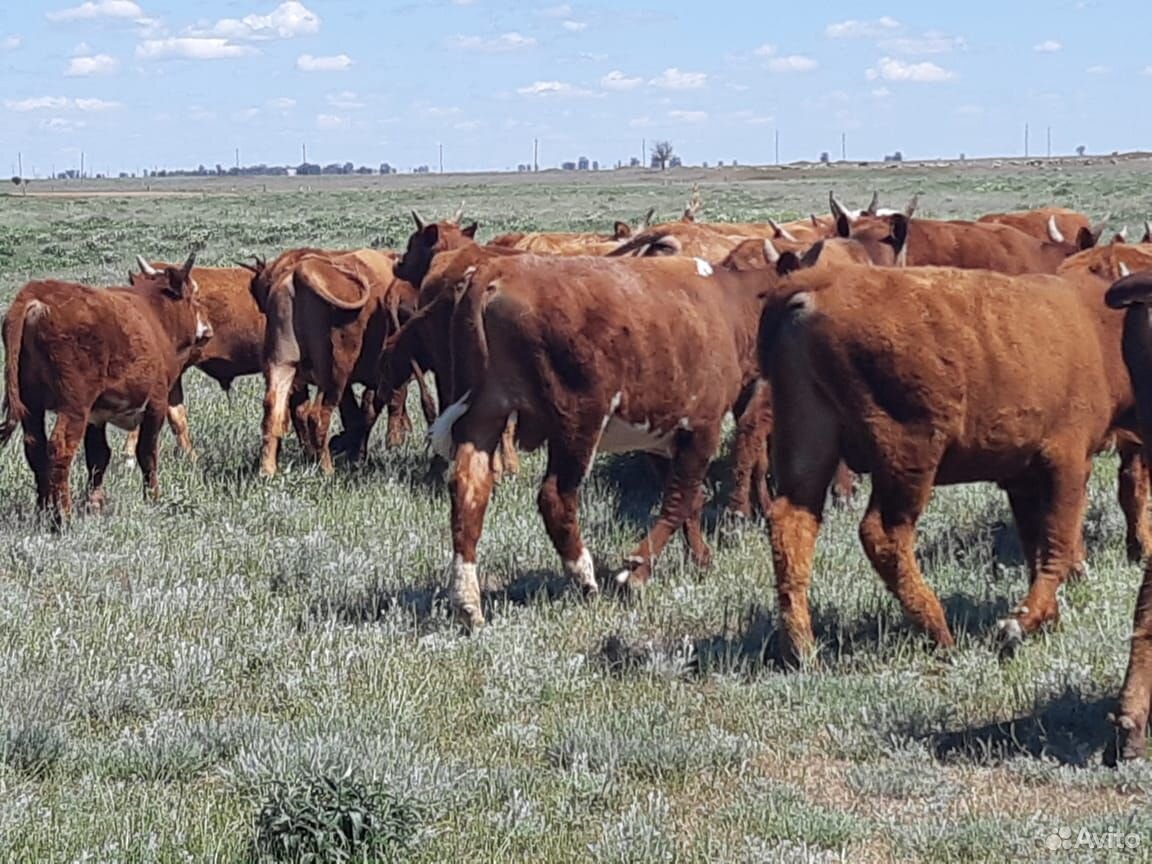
(837, 208)
(1123, 270)
(913, 203)
(187, 268)
(419, 222)
(145, 268)
(780, 231)
(1147, 232)
(874, 204)
(647, 220)
(1122, 234)
(771, 253)
(458, 215)
(1054, 230)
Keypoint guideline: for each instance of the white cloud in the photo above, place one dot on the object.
(688, 116)
(889, 69)
(560, 10)
(335, 63)
(190, 48)
(496, 45)
(792, 63)
(881, 93)
(1048, 46)
(673, 79)
(330, 121)
(853, 29)
(551, 88)
(1096, 70)
(932, 42)
(11, 43)
(61, 124)
(617, 80)
(345, 100)
(96, 64)
(765, 50)
(574, 26)
(57, 103)
(286, 21)
(98, 9)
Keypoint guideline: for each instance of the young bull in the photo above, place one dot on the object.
(95, 356)
(588, 355)
(934, 376)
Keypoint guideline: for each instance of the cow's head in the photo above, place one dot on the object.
(1086, 238)
(177, 290)
(428, 239)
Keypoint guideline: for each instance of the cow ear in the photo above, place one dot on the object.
(621, 230)
(812, 255)
(788, 262)
(1087, 238)
(430, 234)
(179, 280)
(899, 233)
(469, 231)
(843, 225)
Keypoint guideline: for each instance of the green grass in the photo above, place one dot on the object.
(254, 667)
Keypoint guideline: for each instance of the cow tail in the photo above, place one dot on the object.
(778, 310)
(14, 408)
(469, 343)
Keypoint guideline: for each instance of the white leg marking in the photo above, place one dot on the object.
(465, 590)
(583, 572)
(440, 435)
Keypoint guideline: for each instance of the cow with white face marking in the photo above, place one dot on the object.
(95, 356)
(588, 355)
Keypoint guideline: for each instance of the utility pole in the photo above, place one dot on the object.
(237, 160)
(20, 165)
(441, 158)
(643, 152)
(303, 153)
(1025, 140)
(1049, 142)
(81, 164)
(843, 146)
(535, 154)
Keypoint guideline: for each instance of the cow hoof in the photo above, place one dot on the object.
(702, 559)
(1136, 553)
(97, 502)
(1130, 742)
(1079, 573)
(1010, 635)
(470, 617)
(631, 580)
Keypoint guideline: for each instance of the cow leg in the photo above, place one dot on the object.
(352, 442)
(1131, 719)
(178, 419)
(278, 384)
(750, 448)
(36, 454)
(681, 500)
(427, 402)
(148, 448)
(1027, 501)
(507, 459)
(129, 451)
(1133, 495)
(399, 425)
(1060, 539)
(298, 410)
(369, 415)
(843, 486)
(62, 446)
(559, 503)
(888, 534)
(698, 551)
(805, 450)
(97, 454)
(470, 489)
(320, 420)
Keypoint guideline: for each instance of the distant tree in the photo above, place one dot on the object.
(595, 165)
(1081, 150)
(349, 168)
(634, 162)
(661, 153)
(582, 163)
(21, 184)
(674, 162)
(825, 158)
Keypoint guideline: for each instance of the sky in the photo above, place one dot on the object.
(140, 84)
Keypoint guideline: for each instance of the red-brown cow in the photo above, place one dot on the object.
(584, 351)
(95, 356)
(934, 376)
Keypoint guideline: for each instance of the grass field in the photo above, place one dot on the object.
(254, 664)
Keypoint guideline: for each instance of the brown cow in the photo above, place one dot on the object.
(1133, 293)
(236, 344)
(570, 242)
(678, 238)
(584, 351)
(934, 376)
(1041, 222)
(328, 314)
(95, 356)
(965, 245)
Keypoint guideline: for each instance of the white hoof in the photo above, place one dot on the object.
(1010, 631)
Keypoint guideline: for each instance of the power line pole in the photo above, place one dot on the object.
(1049, 142)
(20, 165)
(81, 164)
(237, 160)
(1025, 140)
(777, 146)
(643, 152)
(441, 158)
(843, 146)
(303, 153)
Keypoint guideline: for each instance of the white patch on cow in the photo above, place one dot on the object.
(440, 435)
(119, 413)
(612, 406)
(703, 268)
(465, 590)
(801, 304)
(35, 310)
(203, 329)
(583, 572)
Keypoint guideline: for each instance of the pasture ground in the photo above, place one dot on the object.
(181, 680)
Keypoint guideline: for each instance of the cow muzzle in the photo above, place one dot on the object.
(203, 330)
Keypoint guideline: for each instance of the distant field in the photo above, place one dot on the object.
(177, 678)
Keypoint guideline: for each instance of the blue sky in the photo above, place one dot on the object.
(144, 83)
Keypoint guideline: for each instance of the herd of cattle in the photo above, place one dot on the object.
(1009, 349)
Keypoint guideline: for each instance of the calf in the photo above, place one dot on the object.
(935, 376)
(95, 356)
(1040, 223)
(1133, 293)
(585, 352)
